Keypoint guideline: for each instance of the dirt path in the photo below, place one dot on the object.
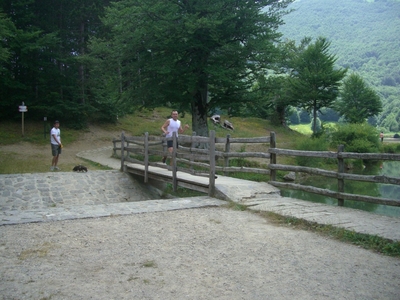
(94, 138)
(211, 253)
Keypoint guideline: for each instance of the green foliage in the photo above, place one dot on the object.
(294, 117)
(366, 241)
(314, 81)
(391, 148)
(328, 115)
(313, 144)
(304, 116)
(45, 41)
(315, 126)
(360, 138)
(357, 101)
(182, 54)
(362, 36)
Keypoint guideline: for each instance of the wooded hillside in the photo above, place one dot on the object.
(365, 37)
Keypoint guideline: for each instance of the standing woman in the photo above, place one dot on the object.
(55, 141)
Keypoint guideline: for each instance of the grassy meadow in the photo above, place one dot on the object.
(36, 134)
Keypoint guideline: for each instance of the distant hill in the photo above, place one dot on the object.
(364, 36)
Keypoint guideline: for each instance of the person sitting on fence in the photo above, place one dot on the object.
(169, 127)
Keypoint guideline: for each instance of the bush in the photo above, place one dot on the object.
(317, 125)
(294, 118)
(389, 148)
(313, 144)
(396, 136)
(304, 117)
(360, 138)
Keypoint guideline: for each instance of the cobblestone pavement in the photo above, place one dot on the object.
(68, 195)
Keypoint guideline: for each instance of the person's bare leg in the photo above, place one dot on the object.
(170, 152)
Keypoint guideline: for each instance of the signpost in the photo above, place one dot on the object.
(44, 126)
(23, 109)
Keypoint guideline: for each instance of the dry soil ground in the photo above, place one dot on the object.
(209, 253)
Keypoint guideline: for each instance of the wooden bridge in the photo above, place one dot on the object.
(198, 159)
(159, 173)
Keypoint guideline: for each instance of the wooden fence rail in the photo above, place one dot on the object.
(340, 175)
(204, 162)
(187, 158)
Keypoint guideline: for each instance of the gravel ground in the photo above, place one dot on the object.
(210, 253)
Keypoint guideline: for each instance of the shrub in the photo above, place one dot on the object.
(396, 136)
(317, 125)
(313, 144)
(304, 117)
(294, 118)
(360, 138)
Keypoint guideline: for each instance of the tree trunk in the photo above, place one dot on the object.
(199, 112)
(81, 66)
(281, 115)
(314, 119)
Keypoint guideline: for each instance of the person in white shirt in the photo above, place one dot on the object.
(169, 127)
(56, 146)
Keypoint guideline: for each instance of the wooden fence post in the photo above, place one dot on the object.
(192, 145)
(146, 157)
(211, 186)
(227, 150)
(114, 148)
(174, 166)
(340, 172)
(272, 159)
(127, 149)
(122, 151)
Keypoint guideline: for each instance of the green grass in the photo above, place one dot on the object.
(305, 129)
(366, 241)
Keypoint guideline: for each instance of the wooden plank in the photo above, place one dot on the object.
(372, 156)
(320, 154)
(308, 170)
(336, 195)
(211, 191)
(257, 140)
(333, 174)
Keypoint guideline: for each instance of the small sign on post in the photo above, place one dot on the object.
(44, 126)
(23, 109)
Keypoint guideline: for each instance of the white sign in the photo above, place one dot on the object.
(23, 108)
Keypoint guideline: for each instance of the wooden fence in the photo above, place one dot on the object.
(188, 157)
(340, 175)
(197, 155)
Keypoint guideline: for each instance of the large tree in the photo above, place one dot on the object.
(44, 43)
(315, 82)
(357, 100)
(194, 55)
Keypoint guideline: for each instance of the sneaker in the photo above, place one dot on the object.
(57, 168)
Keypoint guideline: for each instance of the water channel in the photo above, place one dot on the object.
(388, 168)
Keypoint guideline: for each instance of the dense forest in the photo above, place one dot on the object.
(98, 59)
(364, 36)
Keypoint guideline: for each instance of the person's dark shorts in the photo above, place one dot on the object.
(55, 149)
(170, 144)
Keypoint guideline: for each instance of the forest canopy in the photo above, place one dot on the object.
(100, 59)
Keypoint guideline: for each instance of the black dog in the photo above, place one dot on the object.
(79, 168)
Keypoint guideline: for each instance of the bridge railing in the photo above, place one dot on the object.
(195, 155)
(340, 175)
(203, 161)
